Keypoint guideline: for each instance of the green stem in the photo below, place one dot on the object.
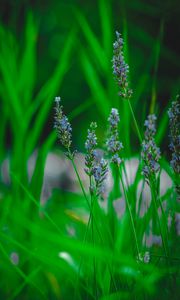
(160, 228)
(91, 213)
(130, 213)
(79, 180)
(135, 122)
(93, 241)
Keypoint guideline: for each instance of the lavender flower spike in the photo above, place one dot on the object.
(90, 145)
(120, 68)
(113, 144)
(100, 171)
(150, 153)
(62, 125)
(96, 167)
(174, 120)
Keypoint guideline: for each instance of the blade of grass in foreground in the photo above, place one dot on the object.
(106, 25)
(92, 41)
(157, 47)
(26, 82)
(27, 281)
(97, 89)
(38, 174)
(30, 196)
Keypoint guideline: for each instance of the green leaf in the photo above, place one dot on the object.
(27, 70)
(97, 89)
(106, 24)
(92, 40)
(38, 174)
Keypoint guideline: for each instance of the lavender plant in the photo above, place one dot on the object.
(96, 167)
(120, 71)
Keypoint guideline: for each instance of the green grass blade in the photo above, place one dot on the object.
(93, 42)
(38, 174)
(27, 71)
(106, 24)
(95, 85)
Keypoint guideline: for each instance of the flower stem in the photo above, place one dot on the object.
(135, 122)
(130, 213)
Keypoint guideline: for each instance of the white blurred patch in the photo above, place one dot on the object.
(68, 259)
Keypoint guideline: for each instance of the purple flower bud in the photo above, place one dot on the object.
(96, 166)
(90, 145)
(100, 173)
(150, 153)
(174, 122)
(62, 125)
(120, 68)
(113, 144)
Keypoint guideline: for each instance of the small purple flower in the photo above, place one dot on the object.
(150, 153)
(174, 121)
(62, 125)
(96, 166)
(120, 68)
(113, 144)
(90, 145)
(150, 125)
(144, 257)
(100, 171)
(91, 141)
(116, 159)
(114, 118)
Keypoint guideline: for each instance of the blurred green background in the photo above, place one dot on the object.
(87, 29)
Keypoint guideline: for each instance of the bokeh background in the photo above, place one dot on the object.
(150, 30)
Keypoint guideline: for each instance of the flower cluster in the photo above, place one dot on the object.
(100, 171)
(96, 166)
(150, 153)
(90, 146)
(113, 144)
(174, 120)
(144, 257)
(62, 125)
(120, 68)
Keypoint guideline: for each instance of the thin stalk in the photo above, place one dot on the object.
(91, 212)
(160, 228)
(93, 242)
(166, 250)
(135, 122)
(79, 180)
(85, 236)
(130, 213)
(82, 188)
